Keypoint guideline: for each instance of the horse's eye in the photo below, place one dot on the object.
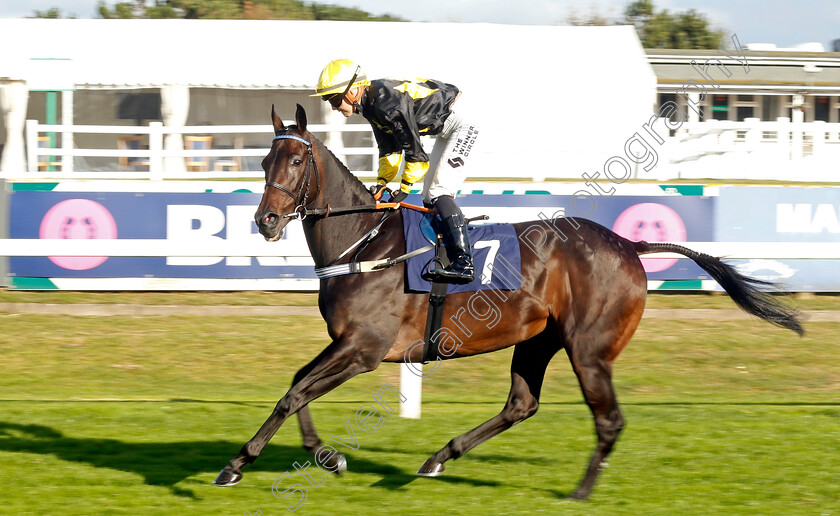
(296, 162)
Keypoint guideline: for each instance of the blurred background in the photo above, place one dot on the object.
(659, 115)
(131, 373)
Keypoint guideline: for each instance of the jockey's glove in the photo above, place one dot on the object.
(398, 196)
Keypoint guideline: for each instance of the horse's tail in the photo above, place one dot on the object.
(745, 291)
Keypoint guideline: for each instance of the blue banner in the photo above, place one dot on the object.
(229, 217)
(193, 216)
(778, 214)
(783, 214)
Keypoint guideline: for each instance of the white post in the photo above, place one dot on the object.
(818, 138)
(798, 118)
(752, 149)
(411, 386)
(67, 136)
(664, 168)
(783, 137)
(31, 146)
(174, 109)
(155, 151)
(13, 101)
(752, 138)
(708, 143)
(693, 116)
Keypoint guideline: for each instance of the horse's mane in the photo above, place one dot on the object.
(354, 182)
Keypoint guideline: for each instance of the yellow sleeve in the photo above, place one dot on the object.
(414, 171)
(389, 165)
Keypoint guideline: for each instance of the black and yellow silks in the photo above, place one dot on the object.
(399, 113)
(389, 166)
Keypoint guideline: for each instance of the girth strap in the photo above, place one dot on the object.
(434, 316)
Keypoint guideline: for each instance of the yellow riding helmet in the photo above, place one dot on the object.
(337, 77)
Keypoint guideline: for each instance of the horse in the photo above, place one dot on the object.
(584, 292)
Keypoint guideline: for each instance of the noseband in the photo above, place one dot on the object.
(303, 199)
(302, 194)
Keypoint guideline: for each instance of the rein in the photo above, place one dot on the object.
(302, 210)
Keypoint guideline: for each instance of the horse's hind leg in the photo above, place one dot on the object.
(592, 354)
(596, 384)
(527, 370)
(336, 462)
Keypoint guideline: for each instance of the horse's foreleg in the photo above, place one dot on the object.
(530, 360)
(311, 441)
(337, 364)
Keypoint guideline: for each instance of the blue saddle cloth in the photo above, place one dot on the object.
(495, 248)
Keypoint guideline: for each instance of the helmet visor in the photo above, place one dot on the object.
(336, 99)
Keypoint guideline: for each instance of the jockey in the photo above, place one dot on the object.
(399, 112)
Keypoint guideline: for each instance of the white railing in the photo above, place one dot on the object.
(753, 149)
(158, 153)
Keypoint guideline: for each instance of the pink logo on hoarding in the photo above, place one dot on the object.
(652, 222)
(78, 219)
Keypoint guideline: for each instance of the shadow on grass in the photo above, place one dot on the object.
(167, 464)
(474, 456)
(160, 464)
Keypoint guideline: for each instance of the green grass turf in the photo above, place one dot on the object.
(722, 418)
(160, 458)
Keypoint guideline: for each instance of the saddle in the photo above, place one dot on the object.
(496, 254)
(430, 229)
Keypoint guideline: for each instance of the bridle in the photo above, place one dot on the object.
(303, 199)
(302, 210)
(300, 198)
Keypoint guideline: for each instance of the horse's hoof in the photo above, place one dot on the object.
(228, 478)
(430, 469)
(339, 464)
(579, 494)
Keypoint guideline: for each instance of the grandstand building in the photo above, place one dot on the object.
(775, 83)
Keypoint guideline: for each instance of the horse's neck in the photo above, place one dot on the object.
(329, 236)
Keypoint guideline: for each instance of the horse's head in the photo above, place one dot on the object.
(291, 176)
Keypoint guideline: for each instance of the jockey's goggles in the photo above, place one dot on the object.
(337, 99)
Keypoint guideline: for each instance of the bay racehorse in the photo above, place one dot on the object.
(584, 293)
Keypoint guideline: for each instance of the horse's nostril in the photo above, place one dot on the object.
(271, 219)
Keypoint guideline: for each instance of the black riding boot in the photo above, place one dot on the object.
(457, 242)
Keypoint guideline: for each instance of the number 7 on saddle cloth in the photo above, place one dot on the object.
(495, 254)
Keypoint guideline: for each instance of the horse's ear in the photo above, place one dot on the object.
(277, 121)
(300, 118)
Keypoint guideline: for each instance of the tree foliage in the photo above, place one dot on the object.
(53, 13)
(225, 10)
(659, 29)
(662, 29)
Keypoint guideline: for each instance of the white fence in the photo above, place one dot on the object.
(752, 149)
(166, 152)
